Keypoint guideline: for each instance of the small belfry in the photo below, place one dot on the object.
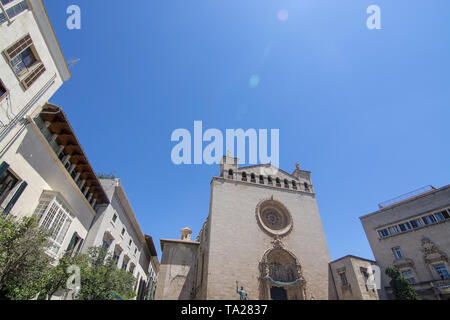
(263, 230)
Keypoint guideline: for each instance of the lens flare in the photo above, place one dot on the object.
(283, 15)
(254, 81)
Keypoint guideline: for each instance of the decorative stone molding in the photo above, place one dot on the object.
(432, 253)
(274, 218)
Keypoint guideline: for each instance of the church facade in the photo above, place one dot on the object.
(263, 233)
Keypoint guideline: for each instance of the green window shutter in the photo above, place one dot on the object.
(16, 197)
(3, 167)
(72, 242)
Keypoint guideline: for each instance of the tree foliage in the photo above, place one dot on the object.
(27, 272)
(102, 280)
(400, 285)
(23, 261)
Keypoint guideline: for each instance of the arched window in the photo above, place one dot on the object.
(230, 174)
(261, 179)
(252, 177)
(286, 183)
(269, 180)
(278, 182)
(244, 176)
(294, 185)
(306, 186)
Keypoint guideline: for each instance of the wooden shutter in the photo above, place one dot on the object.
(16, 197)
(18, 47)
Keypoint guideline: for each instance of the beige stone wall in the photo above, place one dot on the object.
(356, 283)
(410, 242)
(237, 243)
(177, 271)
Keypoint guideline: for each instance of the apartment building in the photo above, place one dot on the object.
(411, 232)
(32, 65)
(116, 228)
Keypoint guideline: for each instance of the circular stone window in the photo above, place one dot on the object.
(274, 218)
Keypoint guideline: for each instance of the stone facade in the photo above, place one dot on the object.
(413, 235)
(263, 231)
(354, 278)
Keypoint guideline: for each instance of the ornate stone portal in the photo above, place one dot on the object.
(281, 275)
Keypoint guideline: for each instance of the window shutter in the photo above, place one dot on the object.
(18, 47)
(80, 245)
(3, 167)
(16, 196)
(72, 242)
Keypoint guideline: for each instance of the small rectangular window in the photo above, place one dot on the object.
(429, 219)
(383, 233)
(393, 230)
(409, 276)
(442, 272)
(343, 278)
(415, 223)
(405, 226)
(442, 215)
(114, 218)
(123, 231)
(397, 253)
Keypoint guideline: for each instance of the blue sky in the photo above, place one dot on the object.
(367, 111)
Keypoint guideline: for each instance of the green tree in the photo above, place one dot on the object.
(23, 261)
(101, 279)
(400, 285)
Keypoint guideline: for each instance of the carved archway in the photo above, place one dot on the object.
(280, 269)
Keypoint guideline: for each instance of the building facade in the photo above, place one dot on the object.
(116, 229)
(263, 233)
(412, 234)
(32, 66)
(354, 278)
(46, 173)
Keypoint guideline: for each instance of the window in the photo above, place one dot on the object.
(244, 176)
(415, 223)
(230, 174)
(114, 218)
(383, 233)
(123, 231)
(3, 90)
(429, 219)
(125, 263)
(135, 250)
(261, 179)
(75, 245)
(409, 276)
(7, 183)
(306, 186)
(343, 279)
(442, 272)
(252, 177)
(393, 230)
(11, 188)
(286, 183)
(366, 277)
(12, 11)
(277, 181)
(24, 61)
(269, 180)
(294, 185)
(130, 242)
(55, 217)
(442, 215)
(397, 253)
(405, 226)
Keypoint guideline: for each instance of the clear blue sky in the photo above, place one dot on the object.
(366, 111)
